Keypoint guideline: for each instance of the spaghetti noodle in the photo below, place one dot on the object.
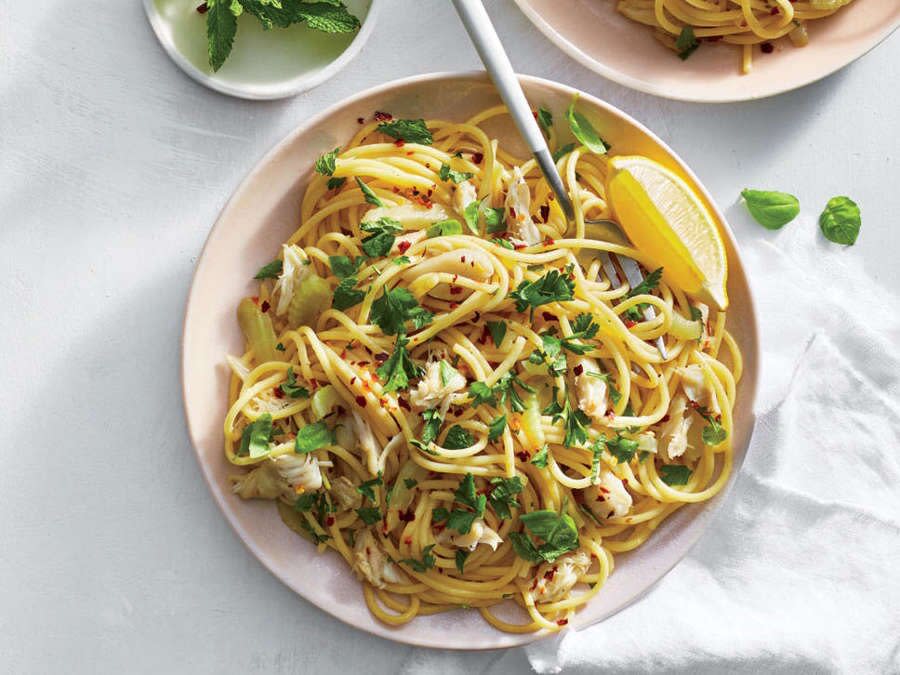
(441, 385)
(682, 24)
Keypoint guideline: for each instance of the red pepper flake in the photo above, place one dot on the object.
(407, 516)
(578, 370)
(382, 357)
(562, 622)
(404, 404)
(549, 242)
(549, 574)
(360, 120)
(767, 48)
(716, 38)
(523, 456)
(519, 246)
(774, 11)
(477, 157)
(477, 317)
(203, 8)
(629, 323)
(255, 299)
(329, 521)
(455, 290)
(410, 153)
(408, 541)
(403, 246)
(383, 116)
(462, 258)
(454, 305)
(512, 213)
(440, 527)
(664, 418)
(547, 316)
(265, 306)
(534, 585)
(399, 142)
(362, 363)
(361, 401)
(279, 392)
(545, 212)
(396, 189)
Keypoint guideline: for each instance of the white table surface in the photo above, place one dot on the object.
(113, 166)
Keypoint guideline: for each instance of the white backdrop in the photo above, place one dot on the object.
(113, 166)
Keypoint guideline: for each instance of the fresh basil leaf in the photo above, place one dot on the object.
(841, 221)
(270, 271)
(584, 131)
(773, 210)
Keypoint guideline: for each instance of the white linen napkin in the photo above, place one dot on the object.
(800, 571)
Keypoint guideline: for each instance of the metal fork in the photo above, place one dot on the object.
(487, 43)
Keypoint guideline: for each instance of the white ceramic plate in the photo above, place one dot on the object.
(595, 34)
(263, 64)
(264, 212)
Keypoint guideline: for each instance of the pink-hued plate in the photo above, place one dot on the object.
(595, 34)
(264, 212)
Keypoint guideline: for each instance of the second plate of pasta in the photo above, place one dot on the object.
(479, 428)
(733, 50)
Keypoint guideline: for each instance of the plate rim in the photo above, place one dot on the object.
(382, 630)
(305, 84)
(664, 91)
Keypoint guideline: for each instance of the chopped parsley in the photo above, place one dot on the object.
(399, 369)
(461, 519)
(344, 267)
(497, 330)
(444, 228)
(563, 151)
(446, 173)
(470, 213)
(493, 217)
(623, 449)
(502, 496)
(505, 390)
(481, 393)
(369, 515)
(584, 131)
(346, 295)
(426, 563)
(552, 287)
(432, 426)
(461, 555)
(687, 43)
(574, 420)
(365, 488)
(411, 131)
(334, 183)
(290, 387)
(410, 483)
(369, 193)
(713, 433)
(458, 438)
(395, 308)
(545, 120)
(503, 243)
(541, 456)
(496, 427)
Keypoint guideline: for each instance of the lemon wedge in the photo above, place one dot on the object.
(666, 220)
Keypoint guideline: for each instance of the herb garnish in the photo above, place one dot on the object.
(686, 43)
(312, 437)
(395, 308)
(552, 287)
(255, 437)
(840, 222)
(410, 131)
(773, 210)
(271, 270)
(383, 232)
(426, 563)
(399, 369)
(557, 531)
(290, 387)
(369, 193)
(584, 131)
(446, 173)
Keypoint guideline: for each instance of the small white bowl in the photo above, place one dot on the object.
(263, 65)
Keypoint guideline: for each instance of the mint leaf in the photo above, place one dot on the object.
(383, 233)
(584, 131)
(773, 210)
(255, 438)
(270, 271)
(686, 43)
(313, 437)
(841, 221)
(675, 474)
(325, 164)
(369, 194)
(327, 17)
(394, 308)
(411, 131)
(221, 27)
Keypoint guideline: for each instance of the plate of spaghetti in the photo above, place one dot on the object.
(426, 402)
(716, 50)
